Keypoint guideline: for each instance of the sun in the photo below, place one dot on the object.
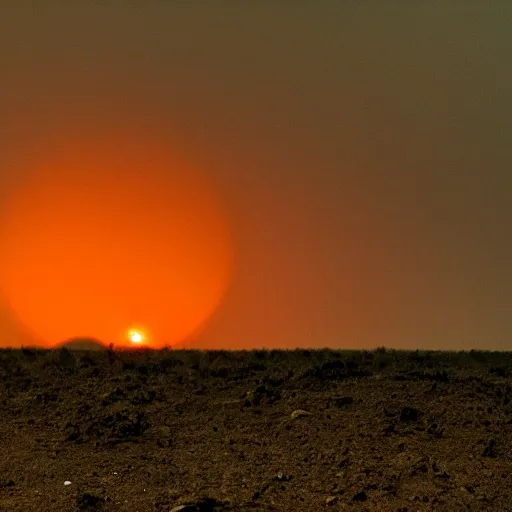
(68, 265)
(136, 337)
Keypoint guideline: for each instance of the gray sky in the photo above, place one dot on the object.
(362, 150)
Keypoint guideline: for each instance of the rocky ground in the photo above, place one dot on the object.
(263, 430)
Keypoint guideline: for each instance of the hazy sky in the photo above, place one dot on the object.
(362, 149)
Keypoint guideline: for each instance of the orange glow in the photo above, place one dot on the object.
(111, 232)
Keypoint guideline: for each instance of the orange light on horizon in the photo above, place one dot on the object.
(108, 232)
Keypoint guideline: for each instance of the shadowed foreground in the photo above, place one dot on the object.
(262, 430)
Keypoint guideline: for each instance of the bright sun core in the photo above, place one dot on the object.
(136, 337)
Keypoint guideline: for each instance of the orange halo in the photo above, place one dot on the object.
(109, 233)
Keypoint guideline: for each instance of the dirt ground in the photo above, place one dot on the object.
(264, 430)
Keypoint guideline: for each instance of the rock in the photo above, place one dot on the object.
(300, 413)
(331, 501)
(281, 477)
(360, 496)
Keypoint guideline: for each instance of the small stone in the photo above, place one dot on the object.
(66, 483)
(300, 413)
(281, 477)
(331, 501)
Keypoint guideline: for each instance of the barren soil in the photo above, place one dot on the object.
(264, 430)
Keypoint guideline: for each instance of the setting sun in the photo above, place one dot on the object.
(136, 337)
(67, 261)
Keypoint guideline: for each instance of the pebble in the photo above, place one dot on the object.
(299, 413)
(331, 500)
